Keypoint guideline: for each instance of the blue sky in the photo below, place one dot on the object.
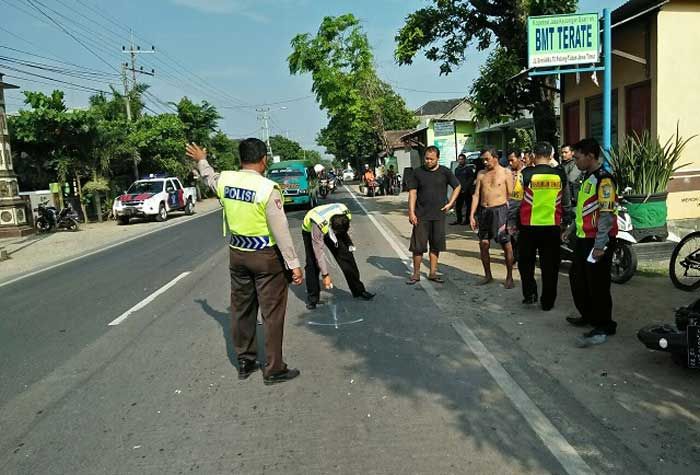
(238, 47)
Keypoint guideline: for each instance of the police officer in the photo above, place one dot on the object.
(260, 249)
(328, 226)
(545, 202)
(596, 230)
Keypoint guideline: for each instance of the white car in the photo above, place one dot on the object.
(154, 197)
(348, 174)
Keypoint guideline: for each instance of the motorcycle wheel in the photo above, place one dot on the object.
(323, 192)
(72, 225)
(684, 267)
(189, 207)
(624, 263)
(42, 225)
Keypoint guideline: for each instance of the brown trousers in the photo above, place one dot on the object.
(258, 281)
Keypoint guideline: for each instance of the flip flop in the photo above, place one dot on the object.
(436, 279)
(412, 281)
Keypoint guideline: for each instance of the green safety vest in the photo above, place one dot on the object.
(244, 196)
(597, 193)
(541, 204)
(321, 215)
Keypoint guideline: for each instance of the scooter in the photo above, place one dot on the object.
(624, 262)
(49, 218)
(682, 340)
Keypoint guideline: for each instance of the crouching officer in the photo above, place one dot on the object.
(328, 226)
(596, 230)
(260, 248)
(544, 206)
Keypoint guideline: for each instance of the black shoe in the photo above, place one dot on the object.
(246, 368)
(365, 296)
(311, 306)
(531, 300)
(578, 321)
(547, 308)
(282, 377)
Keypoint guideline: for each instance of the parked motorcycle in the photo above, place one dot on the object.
(49, 218)
(684, 267)
(624, 263)
(394, 185)
(332, 182)
(682, 340)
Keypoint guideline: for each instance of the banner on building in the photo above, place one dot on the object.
(558, 40)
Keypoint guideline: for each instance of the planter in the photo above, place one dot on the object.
(649, 214)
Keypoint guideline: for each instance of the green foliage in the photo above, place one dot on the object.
(223, 152)
(645, 165)
(200, 120)
(524, 139)
(444, 31)
(287, 149)
(160, 140)
(359, 105)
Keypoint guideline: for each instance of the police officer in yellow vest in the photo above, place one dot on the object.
(260, 250)
(543, 209)
(328, 226)
(596, 230)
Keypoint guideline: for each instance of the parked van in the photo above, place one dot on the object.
(297, 180)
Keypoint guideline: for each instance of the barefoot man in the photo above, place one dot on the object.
(494, 185)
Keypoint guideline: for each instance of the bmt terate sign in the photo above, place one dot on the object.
(557, 40)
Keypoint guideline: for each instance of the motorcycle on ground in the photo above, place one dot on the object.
(323, 187)
(50, 219)
(682, 340)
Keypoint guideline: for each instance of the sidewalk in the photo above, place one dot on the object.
(38, 251)
(640, 394)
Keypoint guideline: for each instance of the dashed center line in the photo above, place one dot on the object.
(148, 299)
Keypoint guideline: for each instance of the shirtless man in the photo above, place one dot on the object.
(494, 185)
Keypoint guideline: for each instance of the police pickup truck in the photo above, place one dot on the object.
(154, 197)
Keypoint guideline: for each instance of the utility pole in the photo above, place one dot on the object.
(265, 117)
(133, 51)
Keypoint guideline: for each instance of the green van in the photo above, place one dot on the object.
(297, 180)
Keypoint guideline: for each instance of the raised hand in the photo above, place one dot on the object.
(195, 152)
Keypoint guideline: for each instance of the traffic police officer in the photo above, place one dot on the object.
(328, 226)
(260, 248)
(596, 230)
(545, 202)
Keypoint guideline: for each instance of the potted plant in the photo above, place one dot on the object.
(644, 167)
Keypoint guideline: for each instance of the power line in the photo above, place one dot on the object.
(286, 101)
(55, 60)
(59, 25)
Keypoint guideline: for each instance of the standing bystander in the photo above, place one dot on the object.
(465, 174)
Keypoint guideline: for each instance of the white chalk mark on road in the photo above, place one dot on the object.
(557, 444)
(148, 299)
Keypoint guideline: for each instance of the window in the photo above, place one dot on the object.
(594, 118)
(638, 108)
(572, 123)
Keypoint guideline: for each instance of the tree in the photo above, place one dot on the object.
(223, 152)
(358, 104)
(200, 120)
(287, 149)
(447, 28)
(159, 140)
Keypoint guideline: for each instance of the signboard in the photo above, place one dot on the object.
(442, 128)
(558, 40)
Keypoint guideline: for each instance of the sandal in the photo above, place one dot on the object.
(436, 279)
(412, 281)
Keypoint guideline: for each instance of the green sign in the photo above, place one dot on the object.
(558, 40)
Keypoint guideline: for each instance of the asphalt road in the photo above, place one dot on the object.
(399, 385)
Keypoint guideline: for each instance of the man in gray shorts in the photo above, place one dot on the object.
(494, 185)
(427, 190)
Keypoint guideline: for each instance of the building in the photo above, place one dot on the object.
(501, 135)
(656, 47)
(446, 124)
(401, 151)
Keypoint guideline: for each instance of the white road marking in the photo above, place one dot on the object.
(119, 243)
(557, 444)
(148, 299)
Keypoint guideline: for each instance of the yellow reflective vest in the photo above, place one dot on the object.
(244, 196)
(321, 215)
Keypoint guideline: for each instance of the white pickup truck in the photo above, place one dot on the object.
(154, 197)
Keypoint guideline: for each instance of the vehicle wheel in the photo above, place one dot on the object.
(162, 213)
(684, 267)
(123, 220)
(189, 207)
(42, 225)
(72, 225)
(624, 263)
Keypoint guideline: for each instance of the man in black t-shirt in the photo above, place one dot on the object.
(427, 190)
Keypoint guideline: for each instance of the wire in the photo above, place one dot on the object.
(48, 78)
(55, 60)
(77, 87)
(287, 101)
(59, 25)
